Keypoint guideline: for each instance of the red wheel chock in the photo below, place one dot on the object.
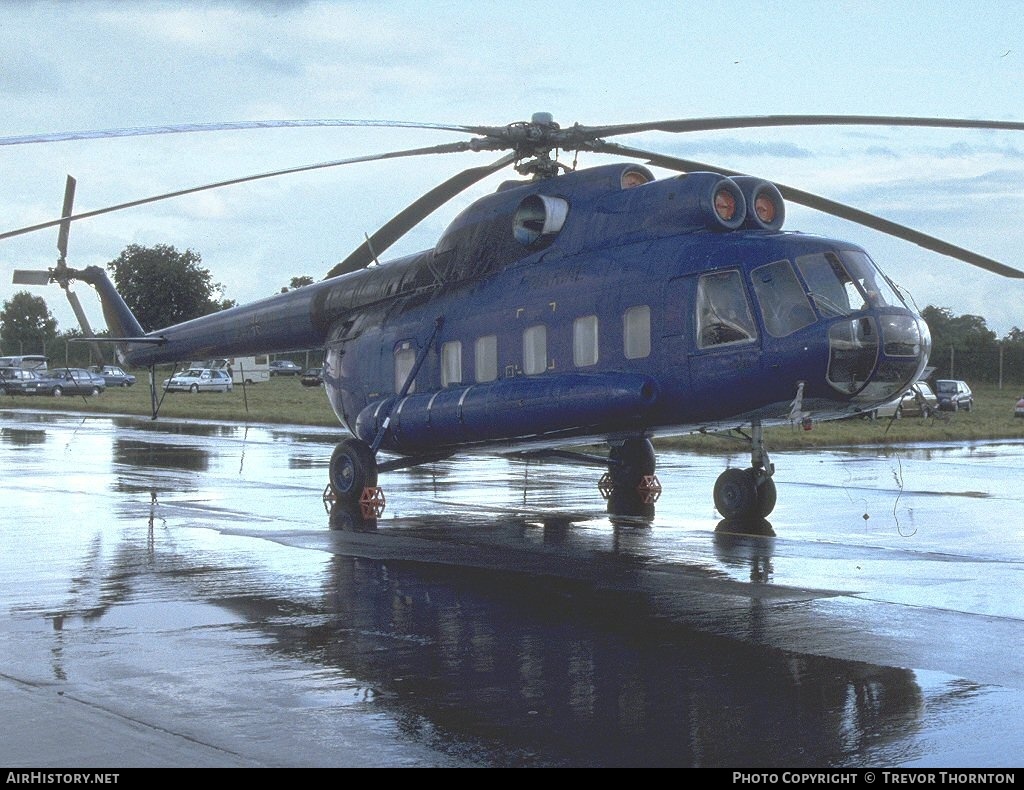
(372, 502)
(649, 487)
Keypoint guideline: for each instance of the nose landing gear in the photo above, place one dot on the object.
(748, 493)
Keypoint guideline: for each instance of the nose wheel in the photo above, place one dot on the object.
(748, 493)
(738, 495)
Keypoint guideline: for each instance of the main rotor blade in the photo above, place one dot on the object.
(413, 214)
(758, 121)
(446, 148)
(31, 277)
(184, 128)
(65, 225)
(829, 207)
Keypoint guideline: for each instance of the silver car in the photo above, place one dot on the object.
(199, 380)
(67, 381)
(918, 401)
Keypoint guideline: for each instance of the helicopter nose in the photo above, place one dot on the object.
(873, 358)
(906, 346)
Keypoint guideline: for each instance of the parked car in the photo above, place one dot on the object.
(113, 375)
(917, 401)
(67, 381)
(954, 395)
(1018, 410)
(284, 367)
(313, 377)
(17, 381)
(199, 380)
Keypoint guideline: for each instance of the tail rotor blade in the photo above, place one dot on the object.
(31, 277)
(83, 320)
(65, 225)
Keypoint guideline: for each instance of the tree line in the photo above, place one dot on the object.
(163, 286)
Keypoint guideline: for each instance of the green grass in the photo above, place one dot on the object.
(991, 418)
(285, 400)
(280, 400)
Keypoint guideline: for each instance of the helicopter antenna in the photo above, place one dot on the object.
(369, 247)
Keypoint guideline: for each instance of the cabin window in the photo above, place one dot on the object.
(783, 303)
(636, 332)
(535, 350)
(451, 363)
(723, 313)
(486, 358)
(584, 341)
(405, 360)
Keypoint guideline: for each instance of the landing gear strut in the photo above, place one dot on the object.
(748, 493)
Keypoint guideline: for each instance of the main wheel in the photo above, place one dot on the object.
(352, 469)
(631, 462)
(94, 391)
(57, 392)
(194, 388)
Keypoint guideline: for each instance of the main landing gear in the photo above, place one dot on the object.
(353, 478)
(748, 493)
(630, 486)
(631, 470)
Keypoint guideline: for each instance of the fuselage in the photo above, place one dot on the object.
(575, 308)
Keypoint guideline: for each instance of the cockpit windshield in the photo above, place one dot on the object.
(845, 282)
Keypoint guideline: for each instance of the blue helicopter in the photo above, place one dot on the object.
(571, 308)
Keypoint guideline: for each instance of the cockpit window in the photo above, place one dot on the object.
(723, 313)
(831, 288)
(872, 282)
(845, 283)
(783, 303)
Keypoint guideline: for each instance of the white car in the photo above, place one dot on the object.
(199, 380)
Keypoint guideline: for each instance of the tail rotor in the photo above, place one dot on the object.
(62, 274)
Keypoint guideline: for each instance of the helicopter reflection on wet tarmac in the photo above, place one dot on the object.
(188, 576)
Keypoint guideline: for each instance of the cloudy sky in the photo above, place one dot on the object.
(114, 65)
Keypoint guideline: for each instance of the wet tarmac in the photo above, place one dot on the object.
(181, 592)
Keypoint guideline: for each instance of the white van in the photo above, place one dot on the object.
(243, 370)
(26, 362)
